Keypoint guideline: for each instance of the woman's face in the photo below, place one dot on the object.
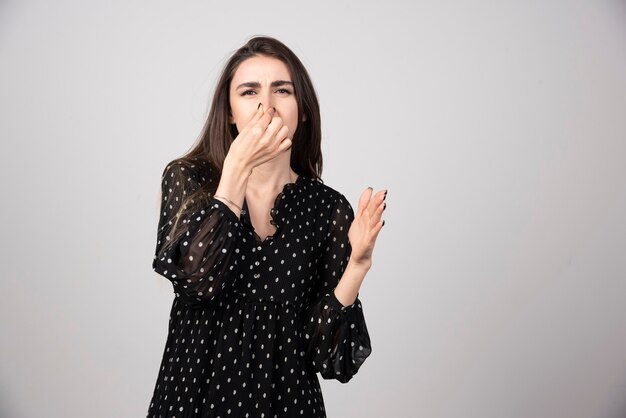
(252, 83)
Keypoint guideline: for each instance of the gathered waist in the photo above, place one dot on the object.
(239, 296)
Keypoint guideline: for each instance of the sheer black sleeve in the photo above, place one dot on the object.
(202, 263)
(336, 336)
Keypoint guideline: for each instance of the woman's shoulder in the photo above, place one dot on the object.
(200, 169)
(189, 175)
(332, 207)
(327, 194)
(192, 164)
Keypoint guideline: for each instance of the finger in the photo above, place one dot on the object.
(283, 133)
(284, 142)
(255, 118)
(375, 218)
(284, 145)
(375, 202)
(265, 119)
(377, 215)
(259, 112)
(373, 235)
(259, 121)
(363, 201)
(273, 128)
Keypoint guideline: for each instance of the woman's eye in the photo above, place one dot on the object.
(245, 93)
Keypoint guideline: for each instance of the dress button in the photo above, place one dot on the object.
(256, 263)
(258, 248)
(257, 275)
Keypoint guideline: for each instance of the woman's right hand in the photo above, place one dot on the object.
(262, 139)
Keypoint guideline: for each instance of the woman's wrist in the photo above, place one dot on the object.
(349, 284)
(237, 167)
(361, 268)
(231, 189)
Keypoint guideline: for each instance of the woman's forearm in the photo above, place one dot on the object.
(233, 184)
(348, 287)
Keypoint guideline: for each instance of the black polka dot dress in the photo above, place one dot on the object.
(253, 321)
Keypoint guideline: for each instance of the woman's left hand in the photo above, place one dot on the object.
(366, 226)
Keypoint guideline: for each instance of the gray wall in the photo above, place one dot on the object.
(497, 126)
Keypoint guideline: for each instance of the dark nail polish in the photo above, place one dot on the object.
(257, 108)
(383, 222)
(274, 109)
(384, 206)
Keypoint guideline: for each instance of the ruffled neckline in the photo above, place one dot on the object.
(279, 205)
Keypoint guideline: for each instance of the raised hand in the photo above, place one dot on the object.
(366, 226)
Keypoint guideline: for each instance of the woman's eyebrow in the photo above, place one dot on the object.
(256, 84)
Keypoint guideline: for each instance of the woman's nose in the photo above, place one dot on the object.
(267, 101)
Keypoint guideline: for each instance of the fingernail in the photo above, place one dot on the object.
(274, 109)
(258, 107)
(385, 196)
(383, 222)
(370, 187)
(384, 205)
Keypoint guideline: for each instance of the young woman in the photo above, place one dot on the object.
(266, 261)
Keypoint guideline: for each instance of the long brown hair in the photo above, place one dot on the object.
(217, 134)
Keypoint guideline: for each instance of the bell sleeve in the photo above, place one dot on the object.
(202, 263)
(336, 336)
